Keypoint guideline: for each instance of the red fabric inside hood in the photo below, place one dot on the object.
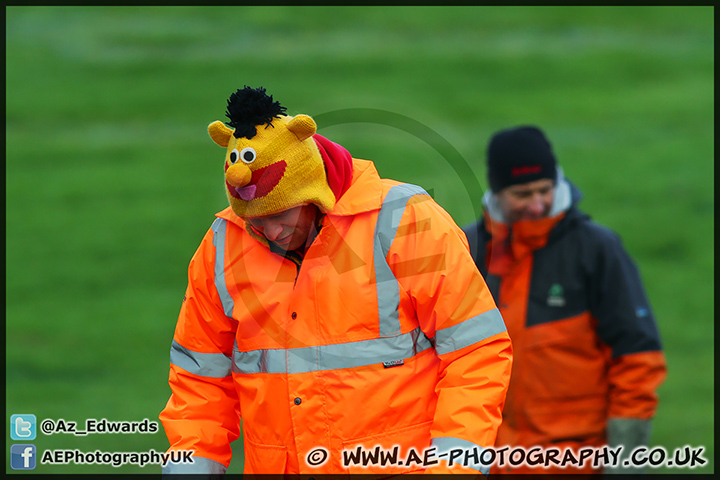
(338, 164)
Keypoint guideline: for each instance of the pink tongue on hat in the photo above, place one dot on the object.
(247, 193)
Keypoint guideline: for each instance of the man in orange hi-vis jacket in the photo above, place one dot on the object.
(336, 314)
(587, 352)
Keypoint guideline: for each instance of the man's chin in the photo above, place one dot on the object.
(287, 246)
(530, 218)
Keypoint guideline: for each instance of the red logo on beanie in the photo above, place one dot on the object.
(527, 170)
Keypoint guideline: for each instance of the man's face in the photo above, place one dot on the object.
(527, 201)
(289, 229)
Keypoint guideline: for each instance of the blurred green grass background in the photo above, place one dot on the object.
(111, 178)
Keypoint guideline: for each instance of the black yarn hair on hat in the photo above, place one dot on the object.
(250, 107)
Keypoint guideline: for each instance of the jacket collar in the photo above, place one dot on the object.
(365, 192)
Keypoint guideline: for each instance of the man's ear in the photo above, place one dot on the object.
(220, 133)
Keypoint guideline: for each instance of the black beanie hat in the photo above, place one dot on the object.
(519, 155)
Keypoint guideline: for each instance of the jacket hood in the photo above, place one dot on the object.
(338, 164)
(364, 193)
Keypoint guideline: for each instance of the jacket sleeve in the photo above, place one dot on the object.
(457, 312)
(203, 412)
(627, 325)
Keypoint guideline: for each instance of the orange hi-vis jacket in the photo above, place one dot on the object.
(385, 335)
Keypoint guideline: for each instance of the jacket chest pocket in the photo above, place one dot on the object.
(550, 300)
(346, 303)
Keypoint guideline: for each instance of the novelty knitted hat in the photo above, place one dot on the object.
(275, 162)
(519, 155)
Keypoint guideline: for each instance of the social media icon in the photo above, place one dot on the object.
(23, 426)
(23, 456)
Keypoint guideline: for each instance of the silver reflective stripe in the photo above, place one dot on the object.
(469, 332)
(214, 365)
(331, 357)
(218, 228)
(200, 465)
(461, 451)
(388, 288)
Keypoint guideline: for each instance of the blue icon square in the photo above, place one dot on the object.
(23, 456)
(23, 426)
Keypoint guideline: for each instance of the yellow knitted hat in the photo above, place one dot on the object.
(272, 163)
